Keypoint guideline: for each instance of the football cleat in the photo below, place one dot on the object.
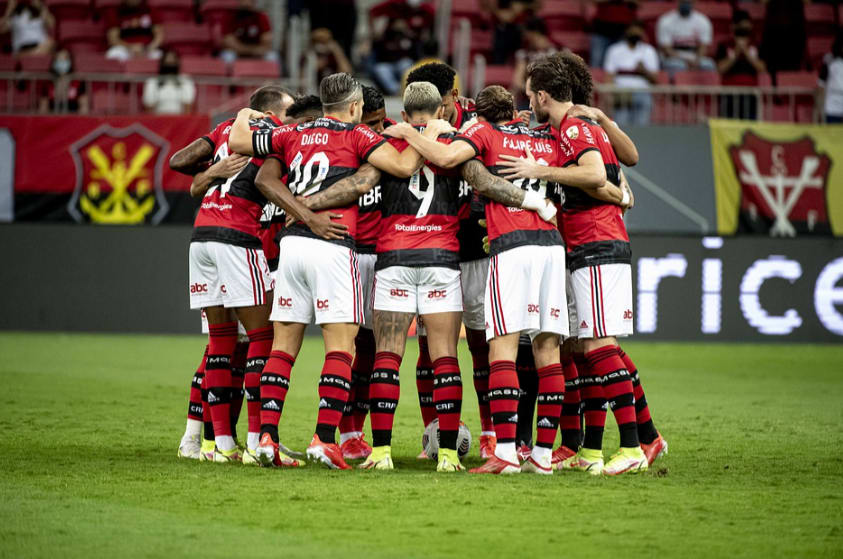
(190, 447)
(250, 457)
(421, 456)
(449, 461)
(487, 446)
(532, 466)
(356, 448)
(379, 459)
(495, 465)
(226, 456)
(561, 454)
(626, 460)
(289, 452)
(327, 453)
(240, 446)
(206, 451)
(524, 452)
(585, 460)
(652, 451)
(269, 455)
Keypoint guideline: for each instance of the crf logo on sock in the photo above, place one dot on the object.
(398, 293)
(285, 301)
(436, 294)
(627, 314)
(533, 308)
(554, 313)
(322, 304)
(198, 288)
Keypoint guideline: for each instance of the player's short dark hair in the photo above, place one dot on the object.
(548, 73)
(268, 98)
(439, 74)
(372, 99)
(338, 90)
(495, 103)
(581, 82)
(304, 105)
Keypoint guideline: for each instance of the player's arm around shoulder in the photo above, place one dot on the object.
(223, 169)
(345, 191)
(192, 158)
(240, 138)
(442, 155)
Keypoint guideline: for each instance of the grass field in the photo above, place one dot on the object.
(90, 426)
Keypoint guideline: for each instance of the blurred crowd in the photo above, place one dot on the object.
(625, 44)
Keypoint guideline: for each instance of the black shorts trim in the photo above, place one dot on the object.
(419, 258)
(513, 239)
(226, 236)
(598, 253)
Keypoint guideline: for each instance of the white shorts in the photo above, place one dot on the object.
(316, 281)
(604, 300)
(426, 290)
(573, 324)
(227, 275)
(526, 292)
(366, 265)
(241, 330)
(474, 275)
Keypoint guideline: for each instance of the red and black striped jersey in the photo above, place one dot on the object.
(420, 220)
(316, 155)
(593, 230)
(464, 115)
(510, 227)
(369, 220)
(231, 210)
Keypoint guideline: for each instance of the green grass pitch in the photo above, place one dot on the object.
(89, 426)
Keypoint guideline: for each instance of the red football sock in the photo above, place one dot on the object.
(238, 373)
(194, 406)
(334, 386)
(549, 408)
(594, 405)
(222, 339)
(424, 383)
(571, 421)
(274, 383)
(355, 410)
(384, 390)
(260, 346)
(617, 388)
(503, 399)
(479, 349)
(447, 397)
(647, 432)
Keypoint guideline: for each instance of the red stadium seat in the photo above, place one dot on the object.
(187, 38)
(796, 79)
(818, 47)
(577, 41)
(39, 63)
(756, 11)
(563, 15)
(696, 78)
(599, 75)
(7, 63)
(203, 66)
(651, 11)
(720, 14)
(499, 75)
(82, 36)
(255, 69)
(481, 41)
(209, 97)
(96, 63)
(141, 66)
(466, 8)
(69, 9)
(167, 11)
(217, 12)
(111, 102)
(764, 80)
(819, 19)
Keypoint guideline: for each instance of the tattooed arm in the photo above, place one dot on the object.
(502, 191)
(346, 191)
(192, 158)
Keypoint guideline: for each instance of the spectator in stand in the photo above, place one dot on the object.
(401, 28)
(831, 80)
(610, 22)
(171, 93)
(63, 93)
(30, 23)
(247, 34)
(508, 17)
(537, 43)
(338, 16)
(739, 65)
(330, 57)
(132, 31)
(684, 36)
(785, 36)
(633, 63)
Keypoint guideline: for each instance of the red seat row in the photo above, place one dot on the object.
(212, 11)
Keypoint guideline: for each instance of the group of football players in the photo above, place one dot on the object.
(321, 209)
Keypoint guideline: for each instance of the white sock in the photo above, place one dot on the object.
(225, 442)
(350, 435)
(487, 433)
(252, 440)
(193, 429)
(506, 451)
(541, 455)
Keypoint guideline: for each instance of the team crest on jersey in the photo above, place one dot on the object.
(118, 176)
(573, 132)
(783, 185)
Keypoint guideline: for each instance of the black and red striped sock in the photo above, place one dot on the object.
(503, 400)
(479, 349)
(571, 421)
(334, 386)
(274, 384)
(238, 374)
(594, 405)
(222, 339)
(447, 397)
(194, 405)
(647, 431)
(549, 408)
(207, 422)
(260, 345)
(424, 383)
(617, 389)
(357, 407)
(384, 390)
(528, 381)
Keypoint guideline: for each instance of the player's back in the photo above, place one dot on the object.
(508, 226)
(420, 216)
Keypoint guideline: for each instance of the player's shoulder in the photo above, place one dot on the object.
(223, 128)
(478, 127)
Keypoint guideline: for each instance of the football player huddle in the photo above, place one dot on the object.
(322, 210)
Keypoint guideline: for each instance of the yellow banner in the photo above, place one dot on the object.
(785, 179)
